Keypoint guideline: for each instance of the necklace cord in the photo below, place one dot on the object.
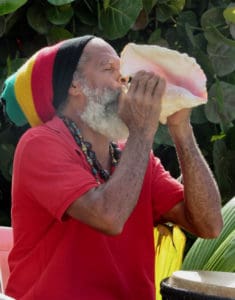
(90, 155)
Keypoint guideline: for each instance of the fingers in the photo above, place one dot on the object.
(135, 82)
(146, 85)
(159, 88)
(152, 86)
(140, 107)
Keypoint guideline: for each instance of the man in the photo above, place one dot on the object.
(83, 205)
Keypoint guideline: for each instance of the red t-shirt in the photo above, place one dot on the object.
(61, 258)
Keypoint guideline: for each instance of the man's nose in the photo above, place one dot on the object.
(123, 80)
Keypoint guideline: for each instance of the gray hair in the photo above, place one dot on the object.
(78, 75)
(79, 72)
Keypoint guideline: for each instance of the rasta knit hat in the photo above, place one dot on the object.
(36, 90)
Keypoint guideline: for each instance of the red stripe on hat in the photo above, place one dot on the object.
(42, 88)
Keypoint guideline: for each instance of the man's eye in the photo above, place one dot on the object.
(108, 67)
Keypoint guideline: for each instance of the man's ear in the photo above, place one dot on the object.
(74, 89)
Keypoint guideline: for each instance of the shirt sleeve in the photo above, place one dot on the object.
(166, 190)
(51, 173)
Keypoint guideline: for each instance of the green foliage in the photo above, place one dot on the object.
(229, 14)
(203, 29)
(117, 18)
(59, 2)
(8, 6)
(37, 18)
(59, 15)
(216, 254)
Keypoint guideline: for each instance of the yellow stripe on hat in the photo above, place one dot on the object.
(23, 92)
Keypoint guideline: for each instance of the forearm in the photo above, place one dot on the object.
(120, 194)
(202, 198)
(108, 206)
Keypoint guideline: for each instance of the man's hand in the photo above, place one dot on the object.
(140, 107)
(179, 124)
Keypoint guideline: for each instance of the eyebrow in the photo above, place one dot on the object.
(105, 62)
(110, 60)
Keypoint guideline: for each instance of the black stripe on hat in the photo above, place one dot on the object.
(65, 64)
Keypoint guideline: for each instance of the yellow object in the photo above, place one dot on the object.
(229, 14)
(169, 248)
(23, 90)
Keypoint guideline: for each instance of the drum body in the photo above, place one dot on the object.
(199, 285)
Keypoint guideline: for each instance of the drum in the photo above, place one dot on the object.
(199, 285)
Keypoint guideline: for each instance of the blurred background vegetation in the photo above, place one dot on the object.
(203, 29)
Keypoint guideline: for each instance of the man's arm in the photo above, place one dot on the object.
(108, 206)
(200, 213)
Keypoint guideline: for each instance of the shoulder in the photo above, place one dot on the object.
(50, 140)
(52, 131)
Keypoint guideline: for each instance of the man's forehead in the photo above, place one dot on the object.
(101, 51)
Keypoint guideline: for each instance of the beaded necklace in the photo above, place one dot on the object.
(86, 147)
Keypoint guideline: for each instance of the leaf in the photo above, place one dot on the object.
(60, 2)
(198, 115)
(221, 50)
(218, 137)
(87, 13)
(230, 78)
(225, 112)
(219, 37)
(176, 6)
(37, 19)
(229, 14)
(185, 24)
(190, 35)
(222, 162)
(232, 30)
(118, 17)
(106, 4)
(212, 17)
(202, 58)
(203, 249)
(59, 15)
(149, 4)
(57, 34)
(223, 259)
(222, 58)
(162, 136)
(9, 6)
(188, 18)
(167, 9)
(155, 36)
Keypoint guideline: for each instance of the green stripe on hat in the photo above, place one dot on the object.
(13, 109)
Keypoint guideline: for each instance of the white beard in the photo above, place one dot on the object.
(101, 113)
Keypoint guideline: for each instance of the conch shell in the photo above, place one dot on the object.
(185, 80)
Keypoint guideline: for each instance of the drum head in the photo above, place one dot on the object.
(206, 282)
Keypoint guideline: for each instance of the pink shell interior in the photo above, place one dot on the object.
(177, 68)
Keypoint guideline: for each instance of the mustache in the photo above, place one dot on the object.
(108, 95)
(112, 105)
